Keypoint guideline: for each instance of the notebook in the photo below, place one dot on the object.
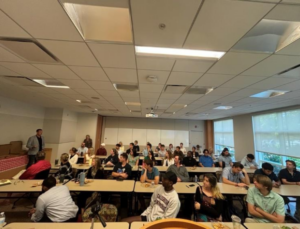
(4, 182)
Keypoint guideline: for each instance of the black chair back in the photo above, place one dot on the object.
(42, 175)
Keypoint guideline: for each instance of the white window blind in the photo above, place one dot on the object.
(278, 133)
(223, 133)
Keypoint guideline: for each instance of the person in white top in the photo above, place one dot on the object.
(165, 203)
(82, 150)
(55, 204)
(162, 151)
(182, 149)
(171, 148)
(118, 148)
(169, 160)
(73, 157)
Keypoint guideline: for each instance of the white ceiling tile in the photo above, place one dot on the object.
(75, 83)
(66, 91)
(213, 80)
(169, 96)
(177, 20)
(290, 1)
(88, 92)
(228, 22)
(271, 83)
(152, 63)
(8, 56)
(79, 97)
(234, 63)
(273, 65)
(114, 55)
(6, 72)
(190, 97)
(183, 78)
(90, 73)
(200, 102)
(25, 69)
(162, 76)
(224, 91)
(107, 93)
(131, 99)
(42, 19)
(115, 100)
(129, 94)
(99, 85)
(145, 95)
(285, 13)
(242, 81)
(71, 53)
(291, 49)
(290, 86)
(57, 71)
(121, 75)
(165, 102)
(151, 88)
(192, 65)
(246, 92)
(210, 98)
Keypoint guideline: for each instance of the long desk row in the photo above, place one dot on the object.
(124, 225)
(137, 187)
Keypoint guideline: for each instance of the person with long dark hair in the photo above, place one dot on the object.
(151, 157)
(133, 158)
(225, 158)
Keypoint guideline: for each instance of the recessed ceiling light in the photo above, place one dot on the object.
(79, 101)
(223, 108)
(269, 94)
(50, 83)
(172, 52)
(126, 87)
(132, 104)
(96, 109)
(185, 105)
(174, 112)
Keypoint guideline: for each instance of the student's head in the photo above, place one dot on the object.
(170, 146)
(82, 145)
(178, 160)
(189, 154)
(193, 148)
(87, 137)
(133, 152)
(177, 148)
(73, 151)
(225, 152)
(159, 145)
(181, 145)
(267, 168)
(162, 147)
(113, 152)
(210, 182)
(123, 157)
(169, 154)
(118, 146)
(262, 182)
(169, 179)
(290, 165)
(237, 167)
(149, 146)
(64, 158)
(148, 164)
(250, 157)
(40, 156)
(210, 150)
(131, 145)
(151, 154)
(39, 132)
(136, 142)
(198, 146)
(121, 143)
(205, 152)
(48, 183)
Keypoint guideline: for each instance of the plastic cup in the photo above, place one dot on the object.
(236, 222)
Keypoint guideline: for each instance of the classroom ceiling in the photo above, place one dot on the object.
(90, 68)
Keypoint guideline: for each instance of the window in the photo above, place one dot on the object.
(277, 137)
(223, 134)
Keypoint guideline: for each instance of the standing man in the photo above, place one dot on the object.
(180, 171)
(35, 144)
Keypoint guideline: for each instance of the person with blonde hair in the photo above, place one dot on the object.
(169, 160)
(209, 200)
(65, 168)
(121, 147)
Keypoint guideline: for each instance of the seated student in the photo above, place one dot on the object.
(65, 168)
(131, 146)
(169, 160)
(119, 150)
(290, 176)
(178, 152)
(112, 159)
(82, 150)
(101, 151)
(209, 200)
(206, 160)
(189, 161)
(267, 170)
(151, 157)
(264, 205)
(249, 162)
(211, 153)
(180, 171)
(55, 204)
(162, 151)
(136, 146)
(133, 158)
(164, 203)
(34, 169)
(122, 147)
(157, 149)
(145, 152)
(122, 170)
(195, 154)
(182, 149)
(225, 158)
(170, 148)
(73, 157)
(234, 176)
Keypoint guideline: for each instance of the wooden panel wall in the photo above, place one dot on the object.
(98, 132)
(209, 133)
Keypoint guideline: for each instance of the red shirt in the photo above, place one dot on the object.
(35, 169)
(101, 151)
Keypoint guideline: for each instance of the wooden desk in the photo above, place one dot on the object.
(75, 166)
(288, 190)
(101, 157)
(250, 171)
(97, 225)
(133, 169)
(193, 169)
(138, 225)
(269, 225)
(21, 186)
(180, 187)
(156, 158)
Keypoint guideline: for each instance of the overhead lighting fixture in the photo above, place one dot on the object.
(177, 53)
(96, 109)
(269, 94)
(223, 108)
(126, 87)
(52, 83)
(174, 112)
(199, 90)
(110, 21)
(185, 106)
(132, 104)
(79, 101)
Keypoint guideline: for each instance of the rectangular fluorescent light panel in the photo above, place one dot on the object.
(223, 108)
(96, 22)
(177, 53)
(269, 94)
(175, 89)
(126, 87)
(51, 83)
(132, 104)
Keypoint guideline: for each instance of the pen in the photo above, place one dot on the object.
(187, 186)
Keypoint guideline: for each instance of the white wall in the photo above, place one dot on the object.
(86, 124)
(18, 120)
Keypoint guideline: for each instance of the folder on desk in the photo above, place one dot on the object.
(4, 182)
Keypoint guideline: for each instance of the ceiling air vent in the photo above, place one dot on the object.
(29, 50)
(22, 81)
(199, 90)
(175, 89)
(126, 87)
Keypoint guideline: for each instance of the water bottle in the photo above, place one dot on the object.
(2, 220)
(103, 164)
(196, 178)
(152, 184)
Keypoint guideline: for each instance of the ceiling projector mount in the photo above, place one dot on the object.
(151, 114)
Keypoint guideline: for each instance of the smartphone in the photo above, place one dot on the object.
(191, 185)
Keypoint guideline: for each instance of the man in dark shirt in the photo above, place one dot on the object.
(267, 170)
(131, 147)
(189, 160)
(122, 170)
(136, 146)
(177, 152)
(112, 159)
(290, 176)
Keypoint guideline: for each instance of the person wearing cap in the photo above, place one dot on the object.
(249, 162)
(165, 203)
(102, 151)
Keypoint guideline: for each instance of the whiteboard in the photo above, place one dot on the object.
(111, 136)
(153, 136)
(167, 137)
(182, 136)
(140, 135)
(125, 136)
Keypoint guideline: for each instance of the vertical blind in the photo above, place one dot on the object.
(278, 133)
(223, 132)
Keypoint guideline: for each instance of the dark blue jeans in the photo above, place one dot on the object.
(31, 160)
